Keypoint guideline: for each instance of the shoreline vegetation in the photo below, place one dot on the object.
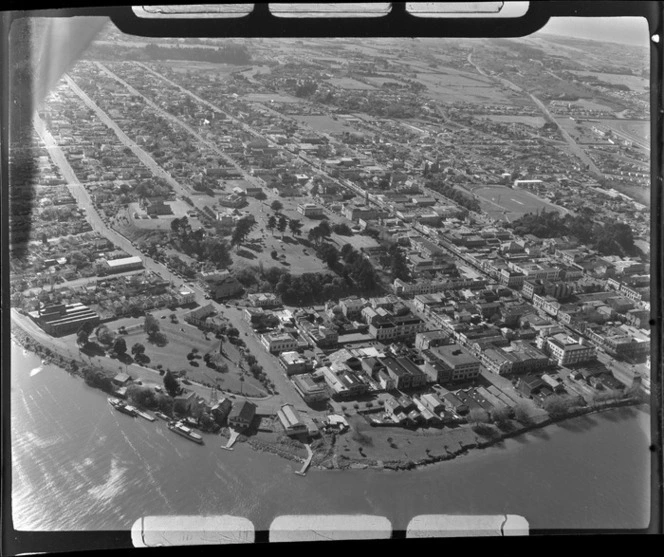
(480, 436)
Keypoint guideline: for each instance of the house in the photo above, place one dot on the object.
(121, 379)
(221, 410)
(220, 284)
(242, 415)
(183, 404)
(264, 300)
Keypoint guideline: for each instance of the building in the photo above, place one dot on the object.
(404, 373)
(278, 342)
(264, 300)
(242, 415)
(221, 410)
(451, 363)
(61, 319)
(565, 350)
(519, 357)
(310, 210)
(120, 265)
(310, 390)
(220, 284)
(291, 421)
(429, 339)
(344, 383)
(293, 363)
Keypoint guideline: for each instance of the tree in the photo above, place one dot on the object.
(150, 325)
(282, 224)
(295, 227)
(171, 384)
(104, 335)
(175, 225)
(398, 265)
(329, 254)
(261, 196)
(325, 230)
(272, 223)
(478, 416)
(217, 252)
(314, 235)
(242, 229)
(44, 238)
(276, 206)
(138, 349)
(83, 334)
(342, 229)
(120, 346)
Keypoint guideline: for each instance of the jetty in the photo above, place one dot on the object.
(231, 440)
(307, 462)
(145, 415)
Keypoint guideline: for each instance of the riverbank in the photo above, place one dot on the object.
(374, 445)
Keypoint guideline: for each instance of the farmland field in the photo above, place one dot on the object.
(592, 105)
(501, 202)
(534, 121)
(349, 83)
(635, 83)
(454, 87)
(267, 97)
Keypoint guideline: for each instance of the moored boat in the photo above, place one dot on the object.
(162, 416)
(181, 429)
(123, 407)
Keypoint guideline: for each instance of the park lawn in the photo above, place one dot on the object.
(182, 338)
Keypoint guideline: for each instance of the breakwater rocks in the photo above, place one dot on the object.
(279, 450)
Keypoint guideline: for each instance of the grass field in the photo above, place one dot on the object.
(324, 124)
(501, 202)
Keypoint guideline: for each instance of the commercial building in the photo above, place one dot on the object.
(123, 265)
(565, 350)
(450, 363)
(278, 342)
(60, 319)
(293, 363)
(290, 420)
(310, 390)
(310, 210)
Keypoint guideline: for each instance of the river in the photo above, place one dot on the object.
(77, 464)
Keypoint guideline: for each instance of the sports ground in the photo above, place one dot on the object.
(505, 203)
